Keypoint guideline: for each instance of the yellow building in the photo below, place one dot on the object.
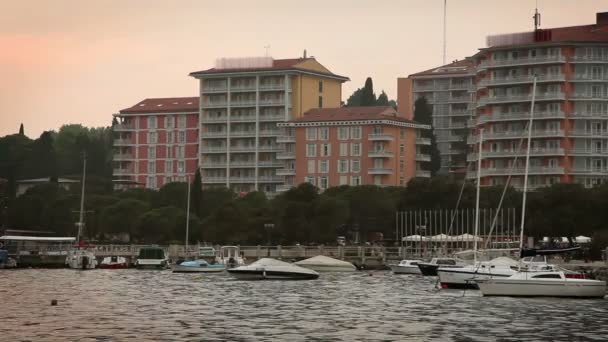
(241, 102)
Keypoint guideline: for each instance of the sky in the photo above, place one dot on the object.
(74, 61)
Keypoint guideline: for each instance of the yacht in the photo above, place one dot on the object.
(464, 277)
(152, 257)
(430, 268)
(81, 259)
(230, 256)
(197, 266)
(114, 262)
(321, 263)
(268, 268)
(406, 267)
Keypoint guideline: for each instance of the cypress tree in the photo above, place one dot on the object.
(21, 131)
(368, 98)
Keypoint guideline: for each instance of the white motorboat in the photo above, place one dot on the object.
(267, 268)
(230, 256)
(321, 263)
(464, 277)
(554, 283)
(152, 257)
(197, 266)
(430, 268)
(406, 267)
(114, 262)
(81, 259)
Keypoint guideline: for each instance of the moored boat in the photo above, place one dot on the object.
(152, 257)
(406, 267)
(114, 262)
(321, 263)
(267, 268)
(429, 269)
(197, 266)
(230, 256)
(81, 259)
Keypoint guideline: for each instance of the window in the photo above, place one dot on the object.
(152, 137)
(550, 275)
(180, 166)
(311, 133)
(181, 121)
(181, 151)
(152, 167)
(343, 149)
(167, 180)
(355, 180)
(169, 122)
(402, 133)
(310, 180)
(401, 149)
(355, 166)
(181, 137)
(342, 133)
(325, 150)
(169, 152)
(311, 150)
(553, 162)
(170, 136)
(355, 149)
(355, 132)
(323, 166)
(320, 86)
(323, 182)
(343, 180)
(311, 166)
(320, 101)
(152, 152)
(168, 167)
(152, 122)
(323, 133)
(342, 166)
(151, 182)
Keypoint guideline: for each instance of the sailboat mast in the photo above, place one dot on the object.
(187, 217)
(477, 197)
(523, 202)
(81, 214)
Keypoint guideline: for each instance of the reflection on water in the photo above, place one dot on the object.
(117, 305)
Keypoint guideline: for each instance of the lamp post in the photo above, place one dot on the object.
(268, 227)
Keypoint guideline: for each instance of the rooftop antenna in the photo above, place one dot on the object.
(445, 5)
(266, 47)
(536, 17)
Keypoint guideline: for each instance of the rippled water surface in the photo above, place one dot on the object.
(117, 305)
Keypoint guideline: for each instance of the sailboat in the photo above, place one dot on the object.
(80, 258)
(194, 266)
(552, 282)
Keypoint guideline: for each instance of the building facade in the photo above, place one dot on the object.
(570, 118)
(449, 90)
(352, 146)
(241, 102)
(156, 142)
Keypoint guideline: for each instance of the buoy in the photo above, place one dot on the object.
(53, 302)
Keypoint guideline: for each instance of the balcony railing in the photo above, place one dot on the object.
(286, 155)
(215, 89)
(521, 61)
(211, 164)
(242, 118)
(505, 171)
(589, 115)
(213, 149)
(587, 77)
(286, 172)
(590, 171)
(520, 116)
(380, 136)
(589, 59)
(587, 152)
(215, 119)
(520, 153)
(119, 142)
(517, 135)
(449, 99)
(423, 141)
(520, 98)
(587, 133)
(243, 87)
(123, 156)
(286, 139)
(212, 180)
(272, 102)
(274, 86)
(423, 157)
(461, 112)
(450, 138)
(379, 171)
(587, 96)
(122, 127)
(274, 117)
(214, 134)
(521, 80)
(423, 173)
(214, 104)
(121, 171)
(380, 154)
(243, 103)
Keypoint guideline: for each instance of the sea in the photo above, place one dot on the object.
(139, 305)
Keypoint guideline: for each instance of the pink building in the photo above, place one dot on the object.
(156, 142)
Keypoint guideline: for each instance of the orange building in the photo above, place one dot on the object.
(351, 146)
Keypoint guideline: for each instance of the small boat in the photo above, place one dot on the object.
(81, 259)
(406, 267)
(152, 257)
(230, 256)
(554, 283)
(430, 268)
(464, 277)
(199, 266)
(321, 263)
(114, 262)
(267, 268)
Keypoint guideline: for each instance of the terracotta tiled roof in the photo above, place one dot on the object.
(463, 66)
(164, 105)
(277, 65)
(351, 114)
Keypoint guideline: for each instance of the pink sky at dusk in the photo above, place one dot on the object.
(69, 61)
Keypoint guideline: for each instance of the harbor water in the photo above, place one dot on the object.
(119, 305)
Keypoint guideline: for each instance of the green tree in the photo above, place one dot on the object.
(123, 216)
(354, 100)
(423, 113)
(382, 99)
(368, 97)
(21, 131)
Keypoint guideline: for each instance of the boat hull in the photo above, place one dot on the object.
(543, 288)
(405, 269)
(466, 279)
(195, 269)
(430, 270)
(114, 266)
(270, 275)
(326, 268)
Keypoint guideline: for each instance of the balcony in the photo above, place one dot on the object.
(286, 172)
(423, 141)
(214, 89)
(270, 179)
(123, 142)
(274, 117)
(272, 102)
(557, 96)
(286, 155)
(588, 152)
(380, 154)
(215, 119)
(119, 172)
(212, 164)
(450, 138)
(213, 149)
(243, 103)
(122, 156)
(242, 87)
(443, 87)
(286, 139)
(423, 173)
(589, 171)
(213, 180)
(520, 61)
(589, 97)
(589, 59)
(270, 163)
(517, 135)
(214, 104)
(380, 137)
(122, 127)
(214, 134)
(535, 152)
(423, 157)
(242, 118)
(379, 171)
(450, 99)
(242, 134)
(274, 87)
(588, 133)
(586, 115)
(587, 77)
(505, 171)
(459, 112)
(520, 116)
(521, 80)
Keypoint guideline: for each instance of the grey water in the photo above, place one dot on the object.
(121, 305)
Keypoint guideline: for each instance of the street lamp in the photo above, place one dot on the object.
(268, 227)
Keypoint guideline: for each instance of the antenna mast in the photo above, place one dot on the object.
(536, 18)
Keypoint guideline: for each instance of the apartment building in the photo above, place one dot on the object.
(156, 142)
(352, 146)
(241, 102)
(570, 124)
(449, 90)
